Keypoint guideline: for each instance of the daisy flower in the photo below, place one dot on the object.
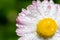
(40, 21)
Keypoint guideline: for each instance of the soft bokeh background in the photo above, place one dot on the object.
(9, 10)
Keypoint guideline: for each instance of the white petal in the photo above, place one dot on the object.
(29, 36)
(53, 11)
(24, 29)
(28, 13)
(58, 16)
(26, 20)
(34, 11)
(42, 8)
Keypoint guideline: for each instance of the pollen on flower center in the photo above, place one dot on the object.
(46, 27)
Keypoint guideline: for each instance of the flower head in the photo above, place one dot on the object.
(40, 21)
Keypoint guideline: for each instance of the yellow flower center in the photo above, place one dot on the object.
(46, 27)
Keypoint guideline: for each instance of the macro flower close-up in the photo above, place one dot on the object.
(39, 21)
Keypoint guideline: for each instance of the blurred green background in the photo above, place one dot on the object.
(9, 10)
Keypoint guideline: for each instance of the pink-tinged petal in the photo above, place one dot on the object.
(32, 15)
(26, 12)
(38, 3)
(34, 11)
(42, 8)
(24, 20)
(58, 17)
(22, 14)
(24, 29)
(51, 1)
(19, 21)
(34, 2)
(53, 11)
(58, 10)
(48, 7)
